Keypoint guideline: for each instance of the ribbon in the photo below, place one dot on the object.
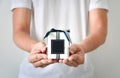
(56, 30)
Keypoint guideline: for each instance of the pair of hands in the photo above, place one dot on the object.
(39, 58)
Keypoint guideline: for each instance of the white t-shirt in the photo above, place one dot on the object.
(60, 14)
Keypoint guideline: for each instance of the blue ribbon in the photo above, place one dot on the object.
(56, 30)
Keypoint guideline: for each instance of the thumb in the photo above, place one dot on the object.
(44, 49)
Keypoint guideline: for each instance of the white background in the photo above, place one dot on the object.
(106, 59)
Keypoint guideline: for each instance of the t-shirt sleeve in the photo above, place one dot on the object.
(20, 4)
(98, 4)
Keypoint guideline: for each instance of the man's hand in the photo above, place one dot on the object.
(38, 56)
(76, 56)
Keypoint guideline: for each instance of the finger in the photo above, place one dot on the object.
(60, 60)
(44, 65)
(39, 47)
(36, 57)
(42, 46)
(35, 51)
(74, 64)
(65, 61)
(71, 63)
(79, 59)
(43, 49)
(68, 62)
(41, 63)
(73, 49)
(73, 60)
(52, 60)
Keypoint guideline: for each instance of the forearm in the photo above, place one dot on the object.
(23, 40)
(21, 28)
(93, 41)
(98, 30)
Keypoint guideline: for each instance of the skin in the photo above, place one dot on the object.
(37, 50)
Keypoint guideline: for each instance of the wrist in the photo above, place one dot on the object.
(38, 46)
(83, 48)
(33, 45)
